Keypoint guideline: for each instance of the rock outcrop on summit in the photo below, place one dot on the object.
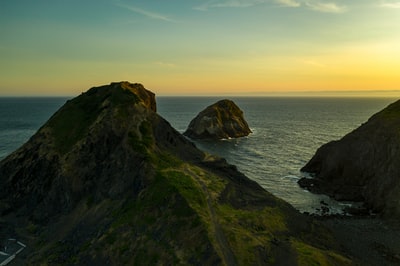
(363, 166)
(107, 181)
(222, 120)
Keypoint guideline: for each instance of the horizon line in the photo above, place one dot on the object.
(308, 93)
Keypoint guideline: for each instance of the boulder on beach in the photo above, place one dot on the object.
(222, 120)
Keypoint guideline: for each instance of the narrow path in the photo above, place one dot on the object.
(220, 238)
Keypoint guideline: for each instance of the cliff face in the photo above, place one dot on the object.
(221, 120)
(363, 165)
(107, 181)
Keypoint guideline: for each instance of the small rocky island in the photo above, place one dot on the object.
(221, 120)
(107, 181)
(362, 166)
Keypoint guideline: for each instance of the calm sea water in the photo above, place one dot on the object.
(20, 118)
(286, 133)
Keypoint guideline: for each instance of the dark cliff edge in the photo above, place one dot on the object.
(107, 181)
(362, 166)
(221, 120)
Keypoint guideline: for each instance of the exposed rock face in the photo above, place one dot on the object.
(363, 166)
(107, 181)
(144, 96)
(221, 120)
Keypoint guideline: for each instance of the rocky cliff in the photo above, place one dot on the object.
(363, 166)
(107, 181)
(221, 120)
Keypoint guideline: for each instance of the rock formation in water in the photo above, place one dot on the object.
(107, 181)
(222, 120)
(363, 166)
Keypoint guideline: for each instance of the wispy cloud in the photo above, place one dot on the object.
(290, 3)
(146, 13)
(229, 3)
(390, 4)
(326, 7)
(316, 5)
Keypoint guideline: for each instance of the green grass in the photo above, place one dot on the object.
(310, 256)
(246, 230)
(72, 122)
(158, 220)
(166, 160)
(155, 197)
(190, 190)
(146, 132)
(142, 141)
(61, 254)
(136, 143)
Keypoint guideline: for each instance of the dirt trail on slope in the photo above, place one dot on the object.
(220, 238)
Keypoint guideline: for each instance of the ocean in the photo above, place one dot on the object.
(286, 133)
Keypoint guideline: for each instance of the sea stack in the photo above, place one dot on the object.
(222, 120)
(107, 181)
(363, 166)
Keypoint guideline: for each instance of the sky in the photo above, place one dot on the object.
(193, 47)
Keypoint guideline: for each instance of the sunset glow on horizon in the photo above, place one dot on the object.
(192, 47)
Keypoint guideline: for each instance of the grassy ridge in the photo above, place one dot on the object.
(180, 213)
(245, 230)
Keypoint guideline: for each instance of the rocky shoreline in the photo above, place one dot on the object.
(368, 240)
(362, 166)
(364, 236)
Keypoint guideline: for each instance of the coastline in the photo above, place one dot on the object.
(369, 240)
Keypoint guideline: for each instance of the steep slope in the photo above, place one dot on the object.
(107, 181)
(363, 165)
(221, 120)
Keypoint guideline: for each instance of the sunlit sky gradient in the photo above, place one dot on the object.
(192, 47)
